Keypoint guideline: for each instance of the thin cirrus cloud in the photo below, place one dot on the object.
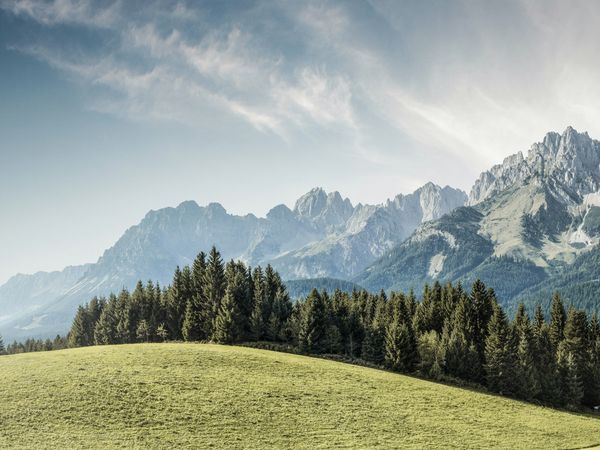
(168, 75)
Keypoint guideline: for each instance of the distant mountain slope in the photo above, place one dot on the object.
(529, 219)
(24, 294)
(301, 288)
(579, 284)
(368, 233)
(323, 236)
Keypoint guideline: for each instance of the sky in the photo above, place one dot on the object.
(109, 109)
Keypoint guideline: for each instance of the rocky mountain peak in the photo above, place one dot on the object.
(570, 161)
(324, 209)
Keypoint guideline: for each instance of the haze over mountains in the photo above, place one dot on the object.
(529, 225)
(323, 236)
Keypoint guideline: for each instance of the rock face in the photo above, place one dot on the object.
(323, 236)
(368, 233)
(570, 163)
(526, 219)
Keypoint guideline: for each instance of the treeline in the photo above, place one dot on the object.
(450, 334)
(34, 345)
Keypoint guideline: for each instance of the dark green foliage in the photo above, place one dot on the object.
(213, 289)
(558, 318)
(313, 324)
(498, 367)
(400, 346)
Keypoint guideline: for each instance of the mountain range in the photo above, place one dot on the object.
(530, 225)
(324, 236)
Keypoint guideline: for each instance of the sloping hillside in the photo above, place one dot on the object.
(209, 396)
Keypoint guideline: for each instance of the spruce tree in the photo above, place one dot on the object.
(538, 318)
(545, 363)
(123, 318)
(400, 346)
(528, 380)
(192, 323)
(79, 334)
(176, 303)
(106, 328)
(576, 344)
(2, 348)
(482, 302)
(280, 312)
(213, 288)
(313, 324)
(558, 318)
(257, 317)
(227, 323)
(496, 352)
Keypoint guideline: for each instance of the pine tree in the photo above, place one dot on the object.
(528, 380)
(227, 329)
(594, 328)
(123, 318)
(400, 346)
(576, 345)
(313, 324)
(497, 367)
(572, 387)
(213, 289)
(192, 323)
(79, 334)
(197, 326)
(280, 312)
(257, 318)
(2, 348)
(538, 319)
(106, 328)
(544, 358)
(558, 318)
(482, 302)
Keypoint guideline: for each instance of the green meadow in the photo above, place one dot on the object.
(210, 396)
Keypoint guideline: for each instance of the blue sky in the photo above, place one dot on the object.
(109, 109)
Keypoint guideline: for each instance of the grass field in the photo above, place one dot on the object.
(210, 396)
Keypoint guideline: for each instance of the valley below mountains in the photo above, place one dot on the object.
(529, 226)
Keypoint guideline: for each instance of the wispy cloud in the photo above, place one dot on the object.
(178, 75)
(474, 81)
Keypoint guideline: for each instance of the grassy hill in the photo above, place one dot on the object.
(210, 396)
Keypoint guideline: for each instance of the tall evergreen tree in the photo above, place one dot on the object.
(176, 303)
(400, 346)
(213, 288)
(313, 324)
(106, 328)
(498, 370)
(79, 334)
(257, 317)
(227, 323)
(558, 318)
(528, 386)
